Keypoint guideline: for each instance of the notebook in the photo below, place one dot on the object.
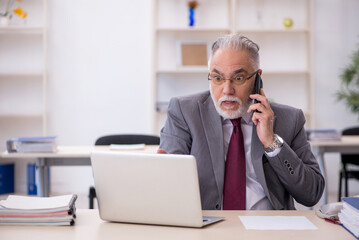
(146, 188)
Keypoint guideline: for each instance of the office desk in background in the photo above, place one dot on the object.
(347, 144)
(65, 156)
(80, 156)
(90, 227)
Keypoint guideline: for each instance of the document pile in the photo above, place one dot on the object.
(31, 144)
(323, 135)
(24, 210)
(349, 215)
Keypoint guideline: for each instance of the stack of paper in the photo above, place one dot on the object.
(349, 215)
(323, 134)
(23, 210)
(127, 146)
(31, 144)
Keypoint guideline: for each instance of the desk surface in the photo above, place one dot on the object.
(85, 151)
(72, 152)
(344, 141)
(90, 226)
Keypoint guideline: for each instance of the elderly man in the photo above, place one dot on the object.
(250, 155)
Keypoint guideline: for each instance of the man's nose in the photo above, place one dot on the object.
(228, 88)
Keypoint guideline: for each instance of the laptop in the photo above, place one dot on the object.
(160, 189)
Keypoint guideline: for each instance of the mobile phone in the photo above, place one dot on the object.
(258, 84)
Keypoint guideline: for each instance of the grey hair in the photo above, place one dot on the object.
(236, 42)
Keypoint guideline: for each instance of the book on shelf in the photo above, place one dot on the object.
(25, 210)
(349, 215)
(323, 134)
(31, 144)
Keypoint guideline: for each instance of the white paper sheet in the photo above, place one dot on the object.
(277, 223)
(127, 146)
(37, 203)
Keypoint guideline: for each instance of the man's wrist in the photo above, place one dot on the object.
(277, 143)
(269, 142)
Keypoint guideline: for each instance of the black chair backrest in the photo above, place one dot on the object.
(350, 158)
(128, 139)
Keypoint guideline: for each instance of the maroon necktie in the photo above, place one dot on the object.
(234, 193)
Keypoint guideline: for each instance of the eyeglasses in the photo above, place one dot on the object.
(237, 79)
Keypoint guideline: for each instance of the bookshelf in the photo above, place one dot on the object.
(23, 73)
(286, 53)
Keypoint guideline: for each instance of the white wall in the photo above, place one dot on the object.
(336, 37)
(99, 76)
(100, 70)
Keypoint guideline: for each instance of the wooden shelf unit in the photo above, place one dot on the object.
(23, 77)
(286, 53)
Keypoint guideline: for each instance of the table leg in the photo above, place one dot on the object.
(320, 158)
(42, 174)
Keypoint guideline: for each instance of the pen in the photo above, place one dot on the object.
(332, 221)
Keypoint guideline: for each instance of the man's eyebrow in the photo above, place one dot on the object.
(216, 71)
(239, 71)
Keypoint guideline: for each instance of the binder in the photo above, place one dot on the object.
(7, 178)
(31, 179)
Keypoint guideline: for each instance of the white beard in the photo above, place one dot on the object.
(242, 109)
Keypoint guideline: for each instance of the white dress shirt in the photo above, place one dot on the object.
(256, 198)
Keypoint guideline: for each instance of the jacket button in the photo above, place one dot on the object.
(218, 207)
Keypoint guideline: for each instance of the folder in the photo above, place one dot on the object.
(32, 144)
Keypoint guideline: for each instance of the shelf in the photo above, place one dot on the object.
(21, 115)
(180, 71)
(21, 74)
(266, 31)
(286, 53)
(161, 108)
(193, 29)
(22, 30)
(289, 72)
(205, 70)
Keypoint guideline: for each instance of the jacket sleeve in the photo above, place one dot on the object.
(175, 135)
(295, 165)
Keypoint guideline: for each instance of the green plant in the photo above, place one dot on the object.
(349, 92)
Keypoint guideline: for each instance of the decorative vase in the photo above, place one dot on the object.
(4, 21)
(191, 17)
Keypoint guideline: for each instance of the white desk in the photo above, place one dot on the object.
(80, 155)
(65, 156)
(347, 144)
(90, 227)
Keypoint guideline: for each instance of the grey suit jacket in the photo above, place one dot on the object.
(194, 127)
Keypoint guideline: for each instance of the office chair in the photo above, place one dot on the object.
(348, 159)
(121, 139)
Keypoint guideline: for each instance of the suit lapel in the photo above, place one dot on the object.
(212, 125)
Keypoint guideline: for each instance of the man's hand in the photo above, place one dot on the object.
(262, 119)
(161, 151)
